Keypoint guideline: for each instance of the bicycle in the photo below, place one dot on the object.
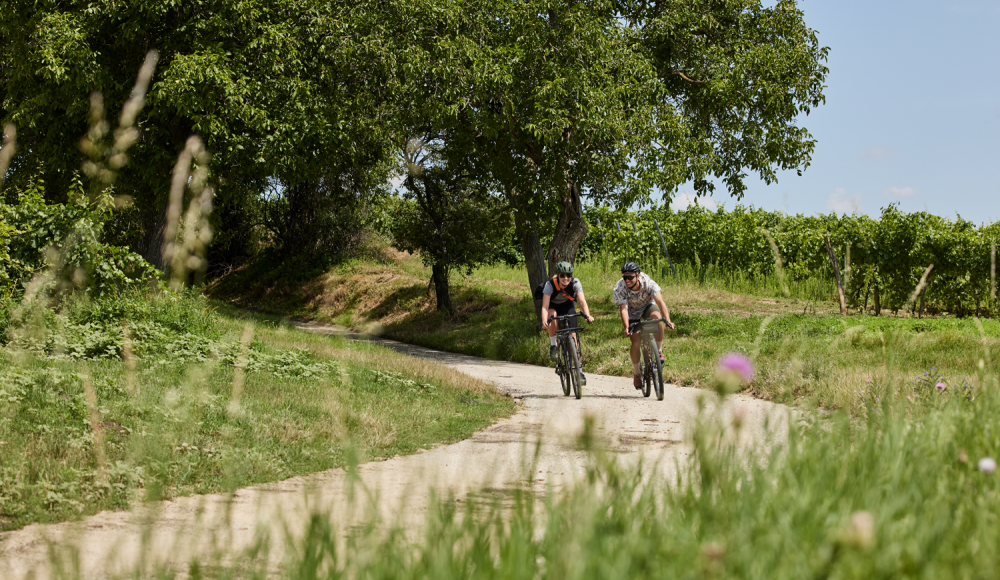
(569, 368)
(652, 368)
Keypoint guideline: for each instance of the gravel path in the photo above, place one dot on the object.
(495, 459)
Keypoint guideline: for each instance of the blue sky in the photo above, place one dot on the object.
(912, 113)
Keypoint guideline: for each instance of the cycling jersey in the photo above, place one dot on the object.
(638, 299)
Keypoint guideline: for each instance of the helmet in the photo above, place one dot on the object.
(564, 268)
(630, 267)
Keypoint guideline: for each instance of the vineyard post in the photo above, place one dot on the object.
(664, 244)
(638, 240)
(847, 264)
(920, 289)
(993, 269)
(836, 273)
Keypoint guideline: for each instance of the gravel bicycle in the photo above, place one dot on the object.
(568, 367)
(652, 366)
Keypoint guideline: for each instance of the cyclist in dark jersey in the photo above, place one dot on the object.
(560, 295)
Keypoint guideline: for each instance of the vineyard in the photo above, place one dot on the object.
(882, 261)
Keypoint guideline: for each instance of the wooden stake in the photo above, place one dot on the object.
(836, 273)
(847, 264)
(993, 270)
(664, 244)
(922, 284)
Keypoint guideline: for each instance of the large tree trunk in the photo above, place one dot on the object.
(570, 230)
(534, 258)
(153, 244)
(439, 274)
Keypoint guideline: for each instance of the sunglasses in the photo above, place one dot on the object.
(628, 278)
(565, 275)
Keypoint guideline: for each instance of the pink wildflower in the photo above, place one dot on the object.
(737, 363)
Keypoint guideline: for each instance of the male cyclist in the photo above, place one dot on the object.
(560, 294)
(638, 298)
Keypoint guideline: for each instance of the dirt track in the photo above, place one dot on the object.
(497, 458)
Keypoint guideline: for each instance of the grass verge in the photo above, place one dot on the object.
(215, 399)
(803, 348)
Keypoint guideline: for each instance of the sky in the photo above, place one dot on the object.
(912, 114)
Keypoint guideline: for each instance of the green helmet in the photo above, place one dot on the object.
(564, 268)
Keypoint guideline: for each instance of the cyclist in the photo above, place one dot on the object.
(638, 298)
(560, 294)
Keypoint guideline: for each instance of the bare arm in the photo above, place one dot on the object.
(663, 307)
(584, 307)
(623, 310)
(545, 310)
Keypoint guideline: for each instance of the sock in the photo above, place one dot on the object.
(636, 369)
(659, 345)
(552, 340)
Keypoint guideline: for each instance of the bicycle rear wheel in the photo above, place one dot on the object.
(657, 370)
(562, 369)
(574, 367)
(647, 374)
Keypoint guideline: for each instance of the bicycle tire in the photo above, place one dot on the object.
(562, 369)
(574, 368)
(657, 371)
(647, 375)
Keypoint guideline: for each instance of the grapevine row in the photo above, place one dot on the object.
(884, 258)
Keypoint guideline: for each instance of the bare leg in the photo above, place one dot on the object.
(659, 327)
(634, 348)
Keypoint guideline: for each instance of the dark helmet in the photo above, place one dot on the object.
(564, 268)
(630, 267)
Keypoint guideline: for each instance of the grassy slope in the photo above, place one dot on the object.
(320, 402)
(802, 348)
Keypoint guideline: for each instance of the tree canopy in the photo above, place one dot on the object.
(277, 89)
(541, 102)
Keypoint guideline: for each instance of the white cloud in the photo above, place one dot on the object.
(396, 181)
(840, 202)
(684, 200)
(900, 191)
(876, 153)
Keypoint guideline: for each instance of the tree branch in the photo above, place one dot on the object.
(677, 73)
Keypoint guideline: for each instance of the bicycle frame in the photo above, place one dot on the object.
(569, 367)
(652, 372)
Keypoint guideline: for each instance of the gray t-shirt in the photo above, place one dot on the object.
(637, 300)
(557, 297)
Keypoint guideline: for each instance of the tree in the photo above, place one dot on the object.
(451, 220)
(285, 90)
(611, 100)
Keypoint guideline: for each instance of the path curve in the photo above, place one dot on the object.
(497, 458)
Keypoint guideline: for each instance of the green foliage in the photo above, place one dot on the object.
(451, 224)
(279, 89)
(891, 253)
(63, 241)
(168, 427)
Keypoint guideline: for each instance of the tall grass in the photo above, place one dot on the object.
(908, 490)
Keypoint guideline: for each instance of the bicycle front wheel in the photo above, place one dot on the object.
(574, 368)
(647, 369)
(657, 370)
(562, 369)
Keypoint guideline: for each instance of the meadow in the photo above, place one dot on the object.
(804, 349)
(147, 397)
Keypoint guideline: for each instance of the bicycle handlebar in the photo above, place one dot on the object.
(644, 323)
(567, 316)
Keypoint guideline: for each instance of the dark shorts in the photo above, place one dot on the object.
(646, 313)
(568, 307)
